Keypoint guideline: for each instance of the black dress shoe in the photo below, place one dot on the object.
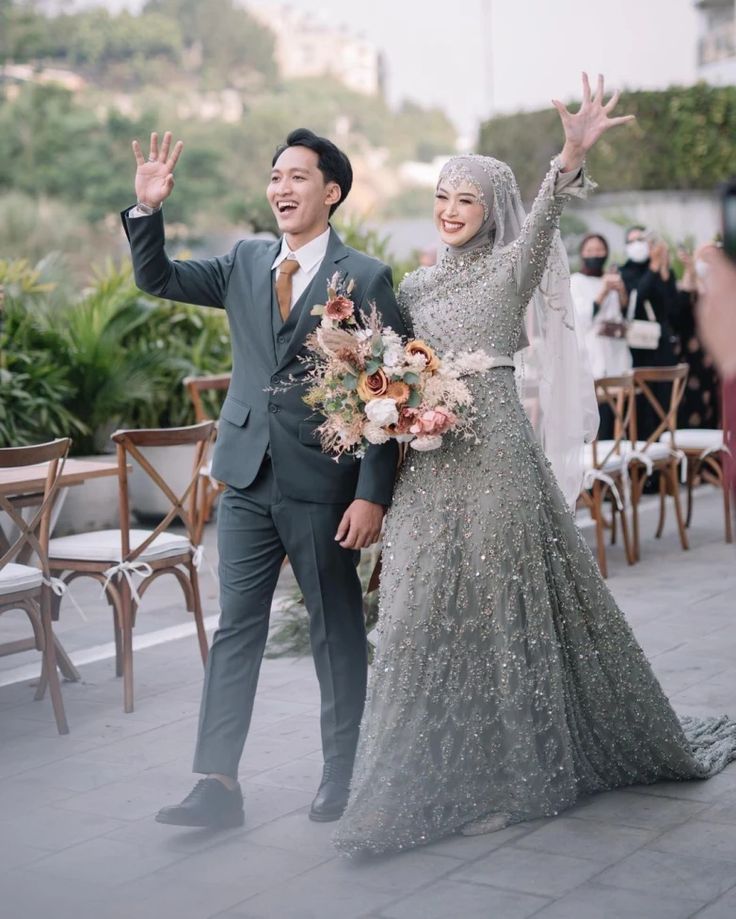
(208, 804)
(332, 795)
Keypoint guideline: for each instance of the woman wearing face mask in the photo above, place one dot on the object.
(600, 300)
(507, 682)
(700, 406)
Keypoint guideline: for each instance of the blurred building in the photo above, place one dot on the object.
(716, 41)
(308, 46)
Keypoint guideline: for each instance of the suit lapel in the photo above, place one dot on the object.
(262, 293)
(315, 294)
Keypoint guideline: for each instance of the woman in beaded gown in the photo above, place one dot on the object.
(507, 683)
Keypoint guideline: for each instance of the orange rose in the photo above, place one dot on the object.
(416, 346)
(398, 391)
(372, 386)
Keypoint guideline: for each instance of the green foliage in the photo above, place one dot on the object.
(682, 139)
(34, 387)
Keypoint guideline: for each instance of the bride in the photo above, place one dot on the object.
(507, 682)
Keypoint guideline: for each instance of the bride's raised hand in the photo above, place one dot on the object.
(585, 127)
(154, 177)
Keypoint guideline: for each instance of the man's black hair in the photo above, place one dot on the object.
(333, 163)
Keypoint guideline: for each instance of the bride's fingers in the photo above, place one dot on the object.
(561, 107)
(586, 88)
(600, 89)
(138, 153)
(612, 102)
(153, 151)
(622, 119)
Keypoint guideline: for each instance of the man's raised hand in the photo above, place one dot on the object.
(154, 177)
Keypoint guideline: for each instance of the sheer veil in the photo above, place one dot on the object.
(553, 375)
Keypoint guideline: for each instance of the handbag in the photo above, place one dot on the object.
(643, 333)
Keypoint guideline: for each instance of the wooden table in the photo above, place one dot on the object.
(25, 485)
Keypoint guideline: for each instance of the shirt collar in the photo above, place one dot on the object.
(308, 255)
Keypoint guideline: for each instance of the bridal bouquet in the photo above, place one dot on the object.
(372, 386)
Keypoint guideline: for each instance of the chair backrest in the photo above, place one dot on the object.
(619, 394)
(676, 375)
(32, 535)
(130, 445)
(196, 386)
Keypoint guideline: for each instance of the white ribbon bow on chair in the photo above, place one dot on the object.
(128, 569)
(59, 588)
(596, 474)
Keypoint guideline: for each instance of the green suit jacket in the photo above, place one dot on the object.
(260, 414)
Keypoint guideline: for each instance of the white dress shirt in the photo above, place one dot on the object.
(310, 256)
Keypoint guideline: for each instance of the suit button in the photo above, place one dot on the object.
(275, 378)
(281, 339)
(273, 408)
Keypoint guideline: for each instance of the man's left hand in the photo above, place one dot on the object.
(360, 526)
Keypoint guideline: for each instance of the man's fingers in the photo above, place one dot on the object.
(153, 151)
(343, 527)
(622, 119)
(561, 107)
(164, 154)
(138, 153)
(176, 153)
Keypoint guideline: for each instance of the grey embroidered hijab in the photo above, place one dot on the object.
(552, 372)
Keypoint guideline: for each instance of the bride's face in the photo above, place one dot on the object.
(458, 213)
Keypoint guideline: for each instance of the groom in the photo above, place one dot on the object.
(284, 496)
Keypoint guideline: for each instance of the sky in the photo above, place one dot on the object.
(478, 57)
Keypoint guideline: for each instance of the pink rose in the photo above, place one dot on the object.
(338, 308)
(433, 421)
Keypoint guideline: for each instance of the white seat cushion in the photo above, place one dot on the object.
(655, 452)
(206, 469)
(104, 546)
(19, 577)
(695, 439)
(610, 463)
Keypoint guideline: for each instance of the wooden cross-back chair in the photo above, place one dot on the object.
(116, 558)
(653, 455)
(198, 388)
(707, 451)
(25, 587)
(606, 463)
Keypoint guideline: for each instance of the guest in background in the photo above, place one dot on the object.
(700, 406)
(647, 276)
(600, 299)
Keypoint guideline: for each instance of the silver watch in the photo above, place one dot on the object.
(147, 210)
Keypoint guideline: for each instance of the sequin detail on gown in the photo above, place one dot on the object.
(507, 681)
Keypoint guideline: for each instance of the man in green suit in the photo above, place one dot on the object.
(284, 496)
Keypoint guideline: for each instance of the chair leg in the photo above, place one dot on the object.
(628, 548)
(118, 642)
(674, 486)
(613, 522)
(662, 505)
(691, 473)
(50, 671)
(126, 630)
(635, 495)
(725, 489)
(198, 617)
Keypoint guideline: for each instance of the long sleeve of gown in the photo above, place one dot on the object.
(532, 246)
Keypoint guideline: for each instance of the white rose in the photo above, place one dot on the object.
(374, 433)
(426, 442)
(382, 411)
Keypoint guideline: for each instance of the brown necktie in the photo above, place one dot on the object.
(283, 285)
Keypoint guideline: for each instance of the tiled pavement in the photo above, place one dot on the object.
(77, 838)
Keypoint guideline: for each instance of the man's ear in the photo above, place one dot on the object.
(333, 193)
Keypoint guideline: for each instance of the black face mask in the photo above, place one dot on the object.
(594, 265)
